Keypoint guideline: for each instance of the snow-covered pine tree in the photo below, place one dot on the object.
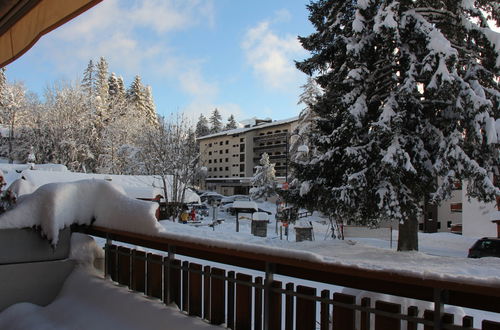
(88, 80)
(136, 97)
(202, 128)
(150, 107)
(264, 180)
(3, 84)
(102, 87)
(231, 123)
(215, 122)
(410, 96)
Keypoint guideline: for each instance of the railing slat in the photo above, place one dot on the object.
(175, 282)
(365, 316)
(217, 296)
(258, 312)
(275, 306)
(154, 275)
(325, 311)
(343, 318)
(468, 322)
(412, 311)
(289, 312)
(243, 302)
(447, 318)
(195, 289)
(230, 299)
(124, 266)
(185, 286)
(110, 269)
(138, 271)
(385, 322)
(490, 325)
(206, 292)
(306, 318)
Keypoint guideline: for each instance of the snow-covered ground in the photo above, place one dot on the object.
(54, 206)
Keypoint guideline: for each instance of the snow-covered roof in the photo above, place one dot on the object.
(247, 129)
(245, 205)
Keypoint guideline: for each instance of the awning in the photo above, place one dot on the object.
(23, 22)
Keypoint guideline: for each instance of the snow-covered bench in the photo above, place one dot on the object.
(31, 269)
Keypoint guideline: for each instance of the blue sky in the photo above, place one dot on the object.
(196, 54)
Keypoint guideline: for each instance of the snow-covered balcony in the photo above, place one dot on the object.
(233, 280)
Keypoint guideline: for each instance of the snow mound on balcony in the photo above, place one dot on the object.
(57, 205)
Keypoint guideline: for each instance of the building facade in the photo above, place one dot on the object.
(231, 156)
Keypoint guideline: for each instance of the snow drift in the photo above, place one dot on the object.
(55, 206)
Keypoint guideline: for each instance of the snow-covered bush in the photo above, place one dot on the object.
(264, 180)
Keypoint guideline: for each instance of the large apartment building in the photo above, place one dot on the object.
(231, 156)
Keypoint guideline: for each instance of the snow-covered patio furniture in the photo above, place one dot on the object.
(303, 231)
(31, 269)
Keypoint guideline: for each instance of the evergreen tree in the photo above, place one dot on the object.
(264, 180)
(202, 128)
(410, 96)
(215, 122)
(101, 84)
(88, 80)
(231, 123)
(149, 107)
(136, 96)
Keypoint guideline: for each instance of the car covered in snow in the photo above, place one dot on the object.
(485, 247)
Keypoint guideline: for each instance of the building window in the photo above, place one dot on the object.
(221, 160)
(215, 160)
(221, 143)
(215, 169)
(227, 160)
(210, 153)
(227, 151)
(242, 175)
(227, 168)
(242, 157)
(242, 148)
(227, 141)
(242, 167)
(456, 207)
(210, 169)
(220, 168)
(210, 161)
(242, 139)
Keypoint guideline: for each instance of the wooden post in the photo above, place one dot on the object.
(289, 310)
(343, 318)
(306, 318)
(243, 302)
(195, 289)
(206, 292)
(412, 311)
(258, 304)
(154, 275)
(230, 300)
(217, 296)
(386, 322)
(138, 271)
(185, 286)
(123, 266)
(325, 311)
(365, 316)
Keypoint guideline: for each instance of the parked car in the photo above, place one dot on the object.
(485, 247)
(210, 197)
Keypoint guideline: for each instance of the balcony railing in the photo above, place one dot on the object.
(244, 301)
(270, 146)
(269, 137)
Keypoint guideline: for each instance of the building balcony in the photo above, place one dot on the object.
(269, 137)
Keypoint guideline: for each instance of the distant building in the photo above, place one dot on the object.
(231, 156)
(473, 217)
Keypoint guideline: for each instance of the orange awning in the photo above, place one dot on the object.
(23, 22)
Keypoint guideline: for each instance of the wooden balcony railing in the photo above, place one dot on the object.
(245, 301)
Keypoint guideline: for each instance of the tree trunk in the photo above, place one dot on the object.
(408, 235)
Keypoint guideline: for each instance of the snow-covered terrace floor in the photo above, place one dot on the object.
(88, 301)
